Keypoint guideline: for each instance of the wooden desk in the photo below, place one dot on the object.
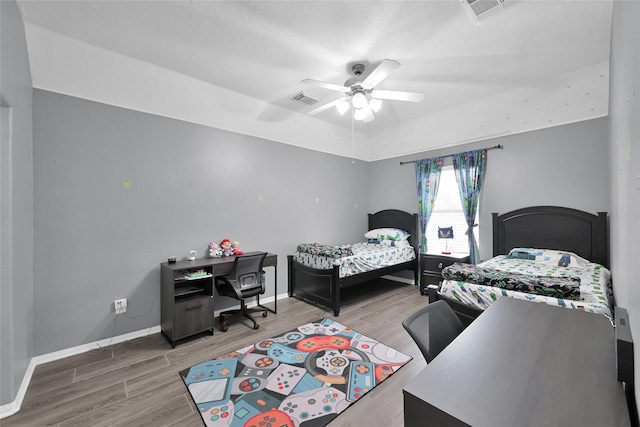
(186, 306)
(522, 364)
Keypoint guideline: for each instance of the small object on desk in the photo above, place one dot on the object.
(236, 248)
(215, 251)
(192, 255)
(227, 250)
(171, 260)
(198, 273)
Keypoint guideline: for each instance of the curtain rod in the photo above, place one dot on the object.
(449, 155)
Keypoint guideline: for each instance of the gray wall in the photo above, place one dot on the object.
(16, 204)
(624, 145)
(564, 165)
(97, 241)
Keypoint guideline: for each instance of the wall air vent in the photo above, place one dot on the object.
(305, 98)
(479, 9)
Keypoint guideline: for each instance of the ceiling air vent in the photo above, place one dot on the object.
(305, 98)
(479, 9)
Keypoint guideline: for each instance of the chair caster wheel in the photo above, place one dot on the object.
(264, 314)
(256, 326)
(223, 329)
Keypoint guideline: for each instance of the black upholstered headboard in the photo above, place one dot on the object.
(553, 227)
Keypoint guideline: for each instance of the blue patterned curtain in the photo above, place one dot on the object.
(469, 168)
(427, 182)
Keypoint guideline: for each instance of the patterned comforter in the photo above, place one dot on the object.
(325, 250)
(595, 286)
(557, 287)
(365, 257)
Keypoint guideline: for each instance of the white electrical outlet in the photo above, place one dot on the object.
(120, 305)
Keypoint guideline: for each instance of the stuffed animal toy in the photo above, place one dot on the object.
(227, 250)
(236, 248)
(215, 251)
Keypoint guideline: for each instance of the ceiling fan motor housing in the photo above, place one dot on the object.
(357, 69)
(355, 83)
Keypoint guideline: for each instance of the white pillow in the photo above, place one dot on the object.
(387, 234)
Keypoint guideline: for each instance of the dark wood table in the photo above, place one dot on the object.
(522, 364)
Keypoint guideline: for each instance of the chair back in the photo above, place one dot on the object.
(246, 272)
(433, 327)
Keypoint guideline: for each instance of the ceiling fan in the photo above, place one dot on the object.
(362, 94)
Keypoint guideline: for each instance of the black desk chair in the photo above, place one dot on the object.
(433, 327)
(245, 280)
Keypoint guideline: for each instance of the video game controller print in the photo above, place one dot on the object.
(285, 339)
(249, 405)
(333, 362)
(210, 382)
(331, 365)
(361, 379)
(249, 379)
(324, 327)
(270, 418)
(284, 378)
(258, 361)
(285, 354)
(314, 404)
(378, 352)
(218, 416)
(320, 343)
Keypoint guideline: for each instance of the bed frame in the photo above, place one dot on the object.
(324, 287)
(553, 227)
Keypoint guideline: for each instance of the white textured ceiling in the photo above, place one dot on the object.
(236, 64)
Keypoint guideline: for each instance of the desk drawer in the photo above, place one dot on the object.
(435, 263)
(192, 316)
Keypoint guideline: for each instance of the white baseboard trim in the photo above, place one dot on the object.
(13, 407)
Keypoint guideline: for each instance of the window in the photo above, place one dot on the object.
(447, 212)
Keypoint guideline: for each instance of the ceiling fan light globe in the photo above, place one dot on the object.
(342, 107)
(359, 114)
(358, 100)
(375, 105)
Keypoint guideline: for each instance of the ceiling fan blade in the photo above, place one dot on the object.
(397, 95)
(325, 85)
(381, 72)
(326, 106)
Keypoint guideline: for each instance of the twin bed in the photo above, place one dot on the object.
(321, 279)
(540, 242)
(555, 242)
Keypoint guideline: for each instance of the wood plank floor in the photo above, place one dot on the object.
(136, 383)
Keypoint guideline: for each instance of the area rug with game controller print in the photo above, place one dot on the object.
(305, 377)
